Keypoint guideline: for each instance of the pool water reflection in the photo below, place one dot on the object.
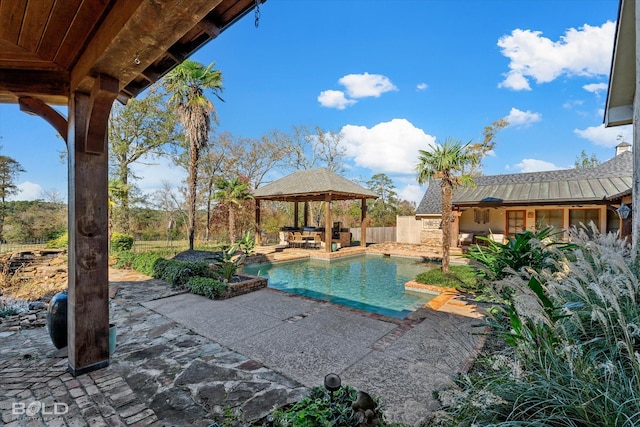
(366, 282)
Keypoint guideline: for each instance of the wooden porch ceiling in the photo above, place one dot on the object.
(50, 48)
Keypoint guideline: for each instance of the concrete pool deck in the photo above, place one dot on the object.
(186, 360)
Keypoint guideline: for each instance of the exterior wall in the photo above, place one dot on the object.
(472, 222)
(408, 229)
(430, 232)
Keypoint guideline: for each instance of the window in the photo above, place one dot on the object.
(515, 222)
(549, 218)
(584, 216)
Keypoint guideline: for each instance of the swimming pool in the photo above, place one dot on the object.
(367, 282)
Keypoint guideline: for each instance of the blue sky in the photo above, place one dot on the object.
(396, 76)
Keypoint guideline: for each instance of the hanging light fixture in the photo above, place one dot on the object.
(623, 211)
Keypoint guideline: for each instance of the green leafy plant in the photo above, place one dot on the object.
(61, 241)
(144, 262)
(121, 242)
(206, 286)
(247, 244)
(495, 260)
(575, 333)
(177, 273)
(227, 263)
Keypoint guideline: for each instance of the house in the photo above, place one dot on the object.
(623, 103)
(502, 205)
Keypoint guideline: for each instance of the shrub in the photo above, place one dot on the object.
(575, 331)
(526, 250)
(121, 242)
(177, 273)
(319, 409)
(61, 241)
(206, 286)
(143, 262)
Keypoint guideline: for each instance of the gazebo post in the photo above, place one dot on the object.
(258, 237)
(295, 214)
(363, 222)
(305, 222)
(327, 224)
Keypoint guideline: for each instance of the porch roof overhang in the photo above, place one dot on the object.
(622, 84)
(593, 190)
(313, 185)
(49, 49)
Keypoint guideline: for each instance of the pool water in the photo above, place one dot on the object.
(366, 282)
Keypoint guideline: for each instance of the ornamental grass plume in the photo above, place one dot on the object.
(575, 335)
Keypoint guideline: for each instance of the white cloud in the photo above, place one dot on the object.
(155, 171)
(422, 86)
(357, 86)
(365, 85)
(412, 193)
(388, 147)
(595, 87)
(606, 137)
(534, 165)
(585, 51)
(28, 191)
(334, 99)
(521, 118)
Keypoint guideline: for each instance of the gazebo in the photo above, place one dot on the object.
(85, 54)
(315, 185)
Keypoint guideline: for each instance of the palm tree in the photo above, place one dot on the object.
(232, 192)
(187, 84)
(446, 161)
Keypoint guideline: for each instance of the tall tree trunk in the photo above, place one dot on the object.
(193, 180)
(124, 202)
(232, 223)
(447, 195)
(207, 231)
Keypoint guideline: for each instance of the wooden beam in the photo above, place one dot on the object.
(209, 27)
(113, 24)
(88, 318)
(35, 82)
(37, 107)
(105, 90)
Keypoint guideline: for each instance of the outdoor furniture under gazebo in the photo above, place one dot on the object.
(315, 185)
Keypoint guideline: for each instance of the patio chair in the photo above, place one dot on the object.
(465, 239)
(499, 237)
(316, 243)
(298, 241)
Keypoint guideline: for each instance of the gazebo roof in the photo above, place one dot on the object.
(313, 185)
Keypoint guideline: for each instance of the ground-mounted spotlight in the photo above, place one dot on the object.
(332, 383)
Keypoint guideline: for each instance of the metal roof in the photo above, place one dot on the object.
(606, 181)
(313, 184)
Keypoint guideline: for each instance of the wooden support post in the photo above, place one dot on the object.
(295, 214)
(88, 303)
(305, 222)
(363, 223)
(635, 191)
(328, 235)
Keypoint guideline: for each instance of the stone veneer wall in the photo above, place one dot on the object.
(250, 284)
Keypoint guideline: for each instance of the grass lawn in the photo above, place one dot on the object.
(460, 277)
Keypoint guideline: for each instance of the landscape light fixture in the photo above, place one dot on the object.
(332, 383)
(623, 211)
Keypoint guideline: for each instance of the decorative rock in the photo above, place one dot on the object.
(37, 305)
